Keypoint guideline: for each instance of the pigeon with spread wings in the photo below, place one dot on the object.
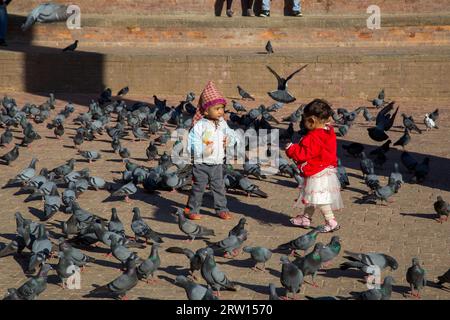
(281, 94)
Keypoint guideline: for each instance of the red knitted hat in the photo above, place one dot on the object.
(209, 97)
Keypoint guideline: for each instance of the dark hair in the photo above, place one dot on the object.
(319, 108)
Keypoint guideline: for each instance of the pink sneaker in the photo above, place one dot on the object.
(331, 226)
(301, 221)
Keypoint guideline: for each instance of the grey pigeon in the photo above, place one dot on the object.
(238, 107)
(65, 268)
(115, 225)
(98, 183)
(151, 151)
(382, 293)
(382, 193)
(259, 255)
(331, 250)
(342, 175)
(366, 164)
(193, 290)
(6, 137)
(34, 286)
(191, 229)
(404, 139)
(139, 134)
(118, 250)
(304, 242)
(90, 155)
(195, 259)
(246, 185)
(26, 174)
(52, 203)
(119, 287)
(372, 180)
(124, 153)
(368, 262)
(71, 47)
(281, 94)
(74, 254)
(269, 48)
(379, 101)
(69, 196)
(64, 169)
(59, 131)
(149, 266)
(291, 277)
(311, 263)
(409, 123)
(273, 292)
(244, 94)
(229, 246)
(416, 277)
(237, 229)
(11, 155)
(125, 191)
(442, 209)
(9, 249)
(215, 277)
(396, 176)
(142, 230)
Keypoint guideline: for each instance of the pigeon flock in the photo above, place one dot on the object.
(110, 119)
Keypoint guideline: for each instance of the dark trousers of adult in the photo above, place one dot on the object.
(248, 4)
(204, 174)
(3, 22)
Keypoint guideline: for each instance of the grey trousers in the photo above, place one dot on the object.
(204, 173)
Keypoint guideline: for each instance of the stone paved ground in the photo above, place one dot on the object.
(403, 229)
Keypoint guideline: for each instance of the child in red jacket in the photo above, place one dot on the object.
(316, 158)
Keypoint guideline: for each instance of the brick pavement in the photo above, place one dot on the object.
(403, 229)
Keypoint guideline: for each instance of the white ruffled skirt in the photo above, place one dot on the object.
(321, 189)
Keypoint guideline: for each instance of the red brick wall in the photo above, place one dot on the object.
(207, 6)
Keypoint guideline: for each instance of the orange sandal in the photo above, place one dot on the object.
(225, 215)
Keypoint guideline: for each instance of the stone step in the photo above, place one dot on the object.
(413, 73)
(209, 7)
(205, 31)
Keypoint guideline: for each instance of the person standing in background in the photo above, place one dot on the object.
(3, 21)
(296, 8)
(248, 11)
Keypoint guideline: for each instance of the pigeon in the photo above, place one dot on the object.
(383, 193)
(291, 277)
(244, 94)
(343, 130)
(238, 107)
(229, 247)
(78, 139)
(269, 48)
(259, 255)
(416, 277)
(6, 137)
(123, 91)
(151, 151)
(275, 107)
(139, 134)
(119, 287)
(34, 286)
(273, 292)
(379, 101)
(98, 183)
(434, 115)
(124, 153)
(115, 225)
(142, 230)
(148, 267)
(126, 191)
(90, 155)
(190, 97)
(118, 249)
(191, 229)
(304, 242)
(421, 170)
(281, 94)
(214, 276)
(445, 278)
(368, 262)
(74, 254)
(383, 293)
(26, 174)
(395, 176)
(59, 131)
(366, 164)
(52, 203)
(193, 290)
(65, 269)
(294, 117)
(71, 47)
(195, 259)
(11, 155)
(9, 249)
(366, 113)
(331, 250)
(253, 169)
(409, 123)
(429, 123)
(311, 263)
(408, 161)
(354, 149)
(404, 139)
(64, 169)
(246, 185)
(372, 180)
(239, 228)
(342, 175)
(442, 209)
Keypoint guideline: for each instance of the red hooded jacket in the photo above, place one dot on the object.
(315, 152)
